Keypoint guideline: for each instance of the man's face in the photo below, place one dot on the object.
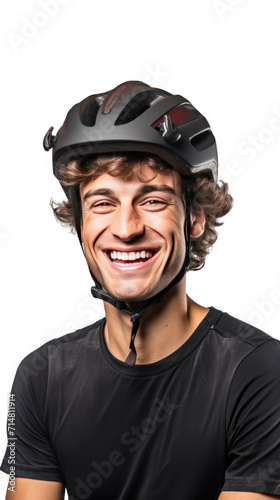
(133, 232)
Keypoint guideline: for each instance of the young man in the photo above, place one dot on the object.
(163, 398)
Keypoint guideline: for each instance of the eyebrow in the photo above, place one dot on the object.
(142, 190)
(96, 192)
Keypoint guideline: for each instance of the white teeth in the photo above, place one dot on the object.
(130, 256)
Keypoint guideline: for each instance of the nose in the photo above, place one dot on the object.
(127, 224)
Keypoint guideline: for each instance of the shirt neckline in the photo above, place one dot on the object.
(176, 357)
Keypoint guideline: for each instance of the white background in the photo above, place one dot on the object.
(224, 57)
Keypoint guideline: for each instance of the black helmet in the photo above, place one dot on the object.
(134, 117)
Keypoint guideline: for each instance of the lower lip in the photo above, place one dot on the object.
(132, 266)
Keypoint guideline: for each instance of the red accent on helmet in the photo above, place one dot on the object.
(179, 115)
(113, 99)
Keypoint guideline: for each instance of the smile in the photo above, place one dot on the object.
(130, 258)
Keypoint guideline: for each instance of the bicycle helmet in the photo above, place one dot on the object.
(134, 117)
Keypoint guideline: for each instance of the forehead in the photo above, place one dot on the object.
(144, 175)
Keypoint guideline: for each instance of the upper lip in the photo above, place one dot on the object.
(131, 249)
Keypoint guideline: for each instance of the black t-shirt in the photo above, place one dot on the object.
(204, 419)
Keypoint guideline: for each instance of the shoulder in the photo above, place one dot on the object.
(250, 352)
(81, 335)
(239, 331)
(253, 397)
(35, 365)
(257, 359)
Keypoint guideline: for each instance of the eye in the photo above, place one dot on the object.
(101, 206)
(153, 202)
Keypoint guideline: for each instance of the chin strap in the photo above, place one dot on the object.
(135, 317)
(98, 293)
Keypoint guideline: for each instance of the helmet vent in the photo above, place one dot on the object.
(203, 140)
(89, 110)
(137, 106)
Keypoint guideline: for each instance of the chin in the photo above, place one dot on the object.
(130, 297)
(133, 294)
(133, 291)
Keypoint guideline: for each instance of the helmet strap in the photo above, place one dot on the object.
(75, 201)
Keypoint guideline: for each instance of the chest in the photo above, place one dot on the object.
(114, 433)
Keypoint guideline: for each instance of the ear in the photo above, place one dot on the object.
(197, 224)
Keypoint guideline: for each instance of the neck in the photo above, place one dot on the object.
(163, 327)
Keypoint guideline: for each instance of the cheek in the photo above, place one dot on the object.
(166, 223)
(92, 228)
(180, 233)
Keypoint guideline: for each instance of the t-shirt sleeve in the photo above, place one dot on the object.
(30, 450)
(253, 423)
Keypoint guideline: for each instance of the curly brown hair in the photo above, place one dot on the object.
(204, 194)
